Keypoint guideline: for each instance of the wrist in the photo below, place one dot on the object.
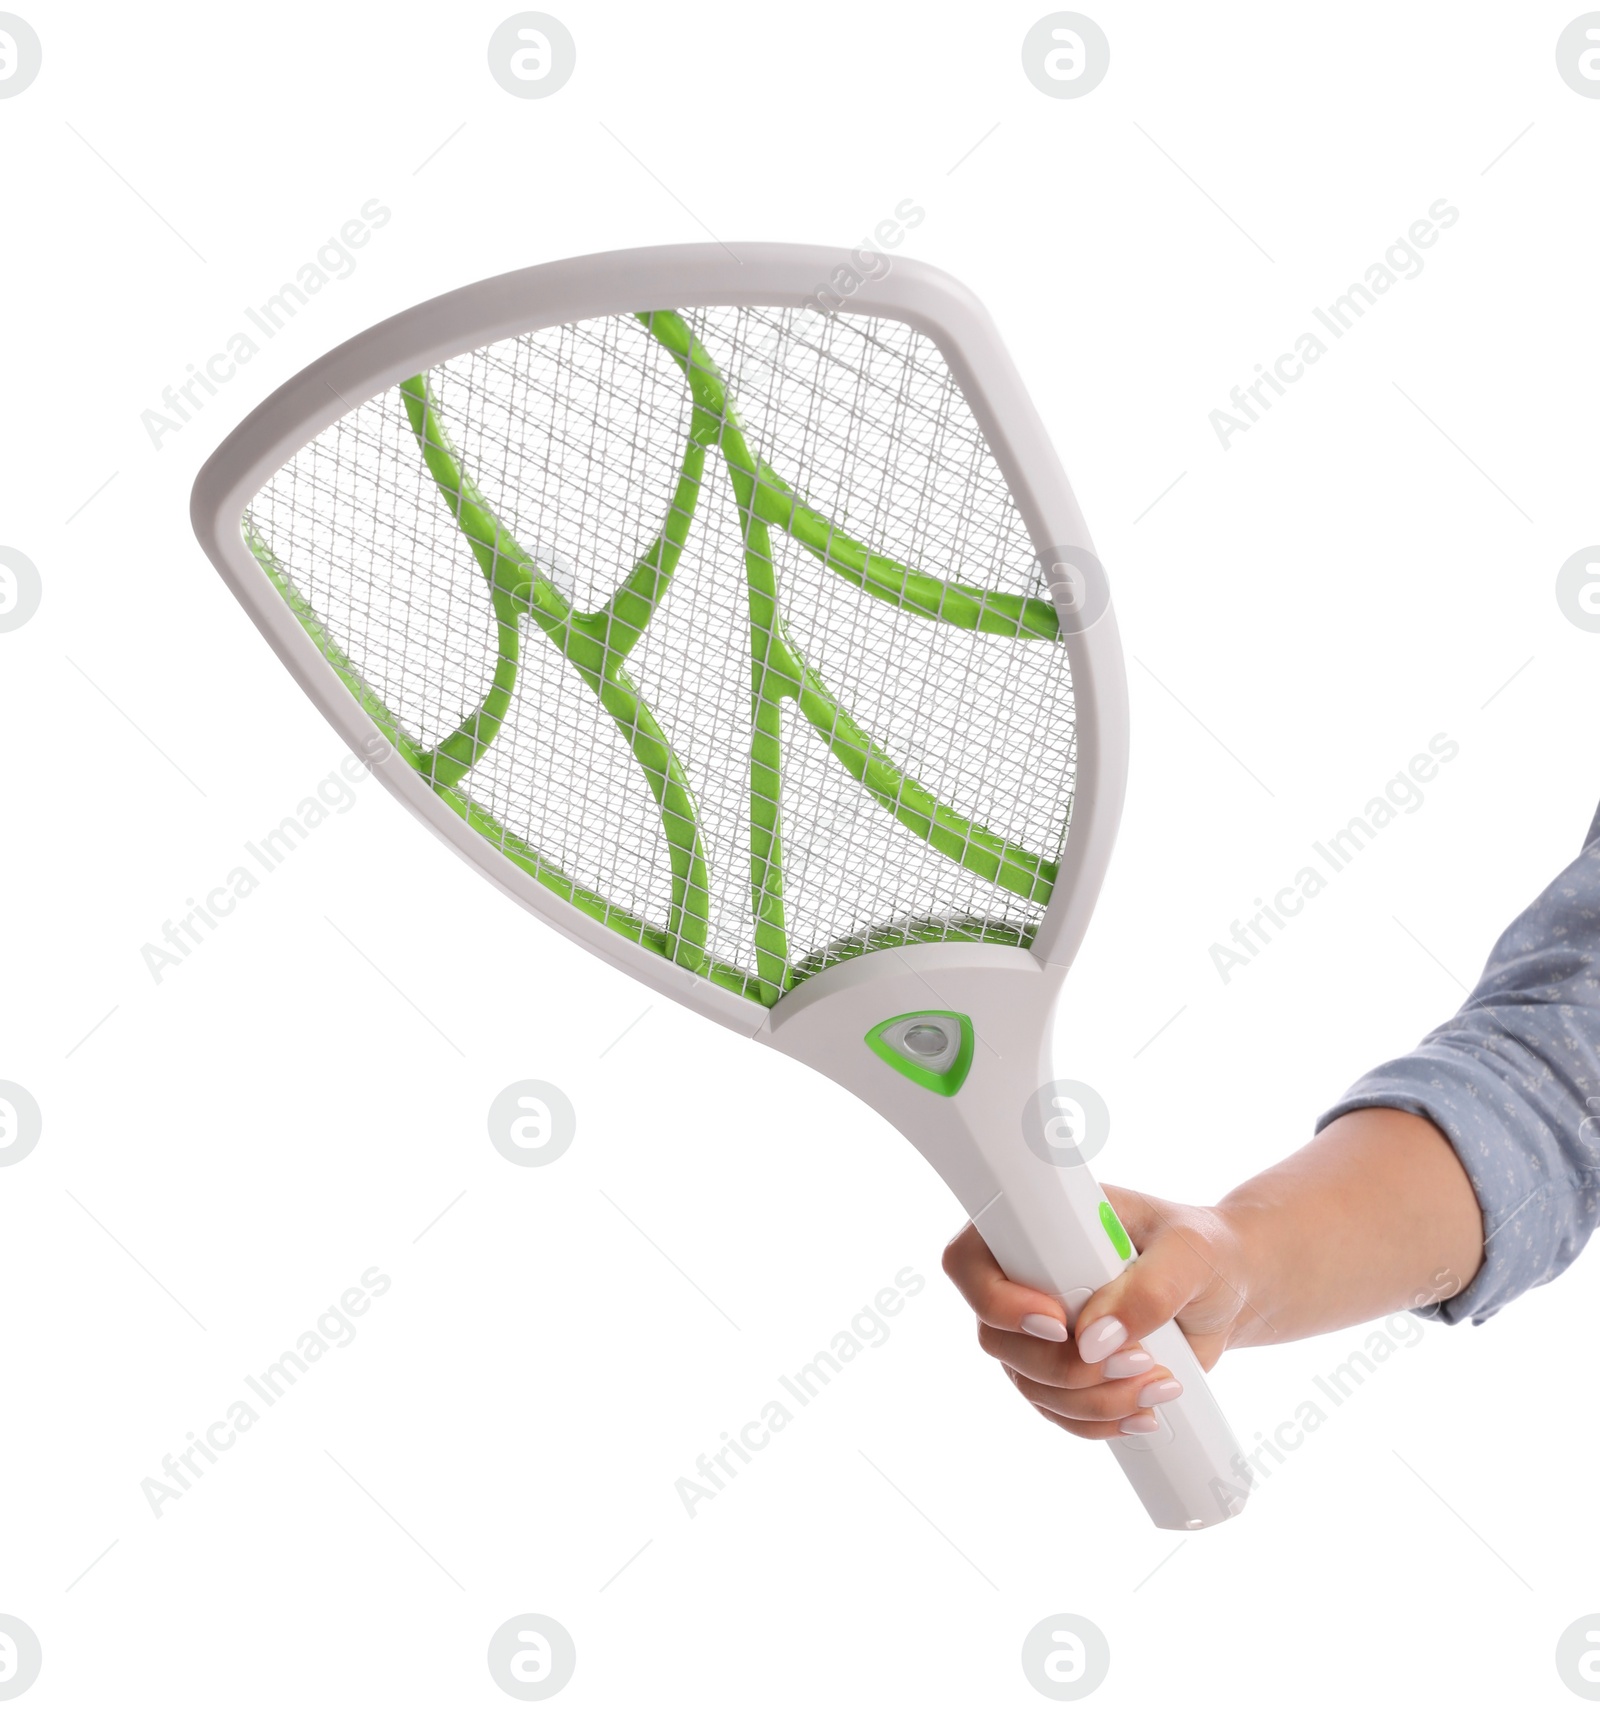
(1254, 1227)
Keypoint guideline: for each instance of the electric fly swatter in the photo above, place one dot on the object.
(747, 631)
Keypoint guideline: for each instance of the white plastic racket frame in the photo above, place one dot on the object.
(1042, 1220)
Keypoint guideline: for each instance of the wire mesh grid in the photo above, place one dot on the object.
(575, 436)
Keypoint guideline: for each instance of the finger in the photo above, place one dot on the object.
(1110, 1402)
(1083, 1431)
(1063, 1366)
(999, 1302)
(1141, 1423)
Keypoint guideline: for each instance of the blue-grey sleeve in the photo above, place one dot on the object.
(1513, 1080)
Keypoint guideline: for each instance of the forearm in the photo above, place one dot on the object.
(1375, 1214)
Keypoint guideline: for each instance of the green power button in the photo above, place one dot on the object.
(1115, 1232)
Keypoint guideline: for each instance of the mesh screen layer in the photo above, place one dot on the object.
(574, 439)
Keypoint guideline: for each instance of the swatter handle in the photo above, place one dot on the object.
(1055, 1235)
(1051, 1227)
(1012, 1143)
(994, 1118)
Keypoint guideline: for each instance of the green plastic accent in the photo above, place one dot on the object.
(944, 1083)
(596, 644)
(1115, 1231)
(780, 671)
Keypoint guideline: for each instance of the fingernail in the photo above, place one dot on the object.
(1121, 1365)
(1158, 1393)
(1144, 1424)
(1044, 1328)
(1100, 1339)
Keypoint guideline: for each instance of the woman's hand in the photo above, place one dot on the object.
(1099, 1382)
(1374, 1215)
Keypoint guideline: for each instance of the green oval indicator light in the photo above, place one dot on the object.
(1115, 1231)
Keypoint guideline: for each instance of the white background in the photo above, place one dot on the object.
(275, 1117)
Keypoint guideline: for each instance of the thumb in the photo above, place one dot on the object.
(1173, 1277)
